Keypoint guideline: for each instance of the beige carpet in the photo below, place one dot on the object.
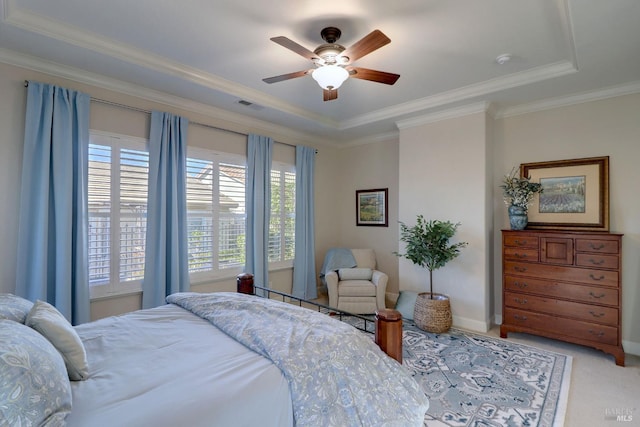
(602, 394)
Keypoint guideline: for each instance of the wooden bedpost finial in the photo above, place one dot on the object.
(389, 332)
(244, 283)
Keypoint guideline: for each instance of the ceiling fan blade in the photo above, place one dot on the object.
(276, 79)
(373, 75)
(295, 47)
(374, 40)
(329, 94)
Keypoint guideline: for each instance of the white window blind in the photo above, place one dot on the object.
(117, 186)
(282, 222)
(215, 213)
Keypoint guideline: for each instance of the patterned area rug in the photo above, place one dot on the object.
(475, 380)
(480, 381)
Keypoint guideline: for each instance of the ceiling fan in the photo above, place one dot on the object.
(333, 63)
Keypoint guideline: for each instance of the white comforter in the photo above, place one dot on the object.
(168, 367)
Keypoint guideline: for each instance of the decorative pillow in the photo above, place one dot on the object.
(355, 273)
(47, 320)
(406, 303)
(13, 307)
(34, 387)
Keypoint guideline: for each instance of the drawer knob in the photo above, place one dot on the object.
(594, 314)
(597, 248)
(521, 242)
(596, 262)
(596, 333)
(518, 317)
(520, 269)
(596, 278)
(520, 301)
(520, 256)
(591, 294)
(520, 285)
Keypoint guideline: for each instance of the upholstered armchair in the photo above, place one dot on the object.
(360, 289)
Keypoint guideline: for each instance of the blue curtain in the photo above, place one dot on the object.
(304, 264)
(166, 268)
(53, 232)
(258, 203)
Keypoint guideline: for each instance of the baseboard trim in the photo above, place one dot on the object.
(471, 325)
(631, 347)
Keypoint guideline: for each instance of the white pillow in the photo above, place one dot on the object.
(355, 273)
(47, 320)
(34, 384)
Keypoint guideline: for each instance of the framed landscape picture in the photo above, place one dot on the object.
(372, 207)
(575, 194)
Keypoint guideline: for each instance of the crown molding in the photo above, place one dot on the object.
(452, 113)
(32, 22)
(522, 78)
(373, 139)
(565, 101)
(235, 121)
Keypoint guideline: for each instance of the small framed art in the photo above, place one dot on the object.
(372, 207)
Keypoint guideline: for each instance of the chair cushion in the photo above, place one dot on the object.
(356, 288)
(365, 258)
(355, 273)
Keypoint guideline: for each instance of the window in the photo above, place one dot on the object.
(282, 225)
(118, 174)
(215, 213)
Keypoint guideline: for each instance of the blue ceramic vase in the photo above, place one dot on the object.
(517, 217)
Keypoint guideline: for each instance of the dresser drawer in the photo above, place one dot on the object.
(598, 246)
(521, 254)
(520, 241)
(570, 291)
(597, 261)
(568, 327)
(576, 310)
(556, 272)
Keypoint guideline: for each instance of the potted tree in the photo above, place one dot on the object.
(427, 244)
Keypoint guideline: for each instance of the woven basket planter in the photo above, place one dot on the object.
(432, 315)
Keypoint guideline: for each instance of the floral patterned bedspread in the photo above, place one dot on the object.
(337, 375)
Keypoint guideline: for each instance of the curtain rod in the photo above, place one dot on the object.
(142, 110)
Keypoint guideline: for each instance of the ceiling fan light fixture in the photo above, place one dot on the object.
(330, 76)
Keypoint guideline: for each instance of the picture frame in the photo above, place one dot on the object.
(372, 207)
(575, 194)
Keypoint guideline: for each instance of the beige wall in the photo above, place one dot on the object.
(607, 127)
(115, 119)
(443, 175)
(446, 170)
(365, 167)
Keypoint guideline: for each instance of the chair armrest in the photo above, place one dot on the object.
(331, 278)
(380, 279)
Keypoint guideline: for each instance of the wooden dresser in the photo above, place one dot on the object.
(563, 285)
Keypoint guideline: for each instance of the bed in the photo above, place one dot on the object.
(221, 359)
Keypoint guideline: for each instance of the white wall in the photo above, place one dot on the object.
(443, 175)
